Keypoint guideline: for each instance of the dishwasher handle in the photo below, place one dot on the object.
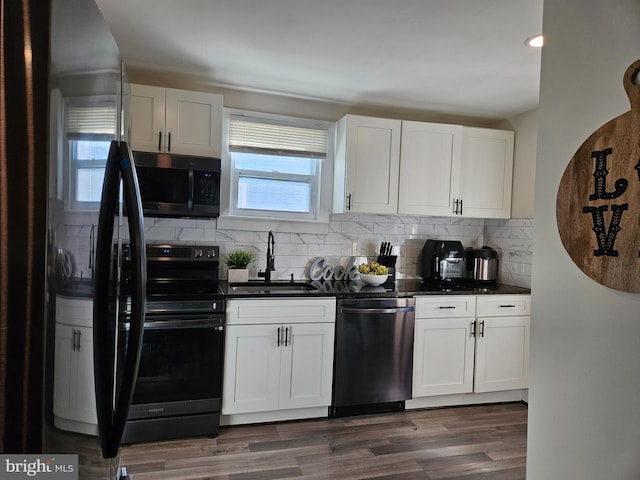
(377, 310)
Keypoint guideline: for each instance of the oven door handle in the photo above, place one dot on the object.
(180, 324)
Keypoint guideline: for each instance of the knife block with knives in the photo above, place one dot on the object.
(385, 258)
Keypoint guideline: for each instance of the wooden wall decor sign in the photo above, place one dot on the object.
(598, 203)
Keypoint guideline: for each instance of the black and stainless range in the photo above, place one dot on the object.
(179, 386)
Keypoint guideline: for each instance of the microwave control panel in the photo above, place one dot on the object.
(206, 189)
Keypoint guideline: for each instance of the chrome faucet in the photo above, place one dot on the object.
(271, 258)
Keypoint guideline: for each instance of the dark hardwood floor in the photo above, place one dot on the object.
(469, 443)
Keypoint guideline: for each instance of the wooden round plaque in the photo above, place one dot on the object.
(598, 203)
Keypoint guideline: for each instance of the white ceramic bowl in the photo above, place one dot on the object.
(373, 279)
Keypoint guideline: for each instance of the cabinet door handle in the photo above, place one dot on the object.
(482, 328)
(73, 340)
(169, 142)
(349, 202)
(473, 328)
(160, 141)
(79, 337)
(460, 207)
(456, 206)
(278, 341)
(286, 337)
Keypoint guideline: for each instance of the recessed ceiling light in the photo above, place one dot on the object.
(535, 41)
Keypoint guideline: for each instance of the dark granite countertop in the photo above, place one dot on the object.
(356, 289)
(399, 288)
(74, 288)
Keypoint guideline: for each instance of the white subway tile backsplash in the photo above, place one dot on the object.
(513, 239)
(155, 234)
(176, 222)
(195, 235)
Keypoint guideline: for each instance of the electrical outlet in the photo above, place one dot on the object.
(354, 249)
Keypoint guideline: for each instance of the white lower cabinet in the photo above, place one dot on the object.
(443, 345)
(278, 355)
(468, 344)
(74, 400)
(502, 343)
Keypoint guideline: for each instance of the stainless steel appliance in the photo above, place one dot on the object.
(481, 265)
(92, 181)
(174, 185)
(178, 390)
(59, 180)
(443, 261)
(373, 366)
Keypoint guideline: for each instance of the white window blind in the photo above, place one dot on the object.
(94, 120)
(254, 135)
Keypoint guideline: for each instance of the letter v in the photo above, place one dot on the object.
(606, 240)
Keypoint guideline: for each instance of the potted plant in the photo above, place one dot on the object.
(237, 262)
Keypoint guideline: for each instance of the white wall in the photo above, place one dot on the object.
(294, 106)
(524, 162)
(584, 396)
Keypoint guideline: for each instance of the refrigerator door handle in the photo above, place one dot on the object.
(115, 389)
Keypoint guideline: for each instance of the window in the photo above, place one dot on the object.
(276, 166)
(89, 131)
(88, 158)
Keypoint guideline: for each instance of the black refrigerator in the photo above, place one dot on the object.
(67, 176)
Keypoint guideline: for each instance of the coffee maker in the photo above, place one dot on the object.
(443, 261)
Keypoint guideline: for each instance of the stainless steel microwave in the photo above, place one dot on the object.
(174, 185)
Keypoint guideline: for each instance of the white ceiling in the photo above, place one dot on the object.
(462, 57)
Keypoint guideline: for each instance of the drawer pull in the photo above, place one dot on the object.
(507, 306)
(446, 307)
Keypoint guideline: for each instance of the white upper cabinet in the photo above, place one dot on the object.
(429, 167)
(486, 171)
(419, 168)
(146, 118)
(177, 121)
(367, 165)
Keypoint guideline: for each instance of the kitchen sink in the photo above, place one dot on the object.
(261, 286)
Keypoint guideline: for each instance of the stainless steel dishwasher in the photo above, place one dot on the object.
(373, 366)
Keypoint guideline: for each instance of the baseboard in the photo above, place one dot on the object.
(465, 399)
(274, 416)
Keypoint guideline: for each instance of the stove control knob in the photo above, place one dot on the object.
(211, 253)
(197, 253)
